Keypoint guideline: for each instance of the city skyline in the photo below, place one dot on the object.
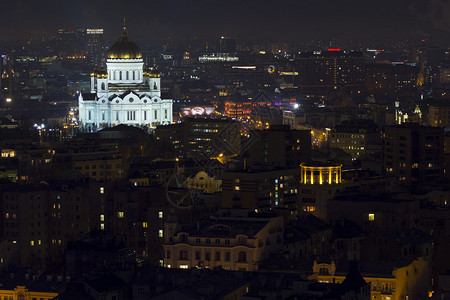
(283, 20)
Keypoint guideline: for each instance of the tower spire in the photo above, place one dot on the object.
(124, 24)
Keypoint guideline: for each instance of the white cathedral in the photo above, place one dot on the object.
(124, 93)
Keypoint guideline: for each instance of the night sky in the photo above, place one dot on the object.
(247, 20)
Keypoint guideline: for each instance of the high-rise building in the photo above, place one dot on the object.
(278, 146)
(124, 93)
(439, 114)
(260, 189)
(331, 69)
(392, 79)
(414, 154)
(202, 137)
(94, 40)
(354, 136)
(227, 44)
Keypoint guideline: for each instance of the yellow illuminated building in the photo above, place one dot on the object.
(238, 245)
(400, 280)
(21, 292)
(201, 181)
(318, 184)
(320, 174)
(8, 153)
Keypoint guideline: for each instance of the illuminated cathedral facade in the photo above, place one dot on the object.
(125, 93)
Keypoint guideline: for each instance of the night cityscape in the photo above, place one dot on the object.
(238, 150)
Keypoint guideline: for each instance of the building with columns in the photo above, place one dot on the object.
(125, 93)
(318, 184)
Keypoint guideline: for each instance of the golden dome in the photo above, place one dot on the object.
(102, 73)
(147, 71)
(124, 48)
(154, 73)
(94, 72)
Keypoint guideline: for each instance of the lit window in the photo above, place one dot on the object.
(39, 242)
(102, 190)
(102, 226)
(102, 218)
(32, 243)
(161, 233)
(236, 188)
(120, 214)
(182, 266)
(371, 217)
(144, 224)
(160, 214)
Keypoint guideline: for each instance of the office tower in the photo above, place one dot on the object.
(414, 154)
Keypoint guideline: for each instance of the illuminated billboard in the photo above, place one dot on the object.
(197, 110)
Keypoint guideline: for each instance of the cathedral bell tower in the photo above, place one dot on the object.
(154, 82)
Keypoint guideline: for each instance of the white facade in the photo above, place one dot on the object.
(124, 93)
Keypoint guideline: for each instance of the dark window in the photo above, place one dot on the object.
(242, 256)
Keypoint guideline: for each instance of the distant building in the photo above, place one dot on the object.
(202, 137)
(38, 221)
(354, 137)
(331, 69)
(227, 44)
(233, 243)
(278, 146)
(318, 184)
(392, 79)
(124, 93)
(414, 154)
(260, 189)
(400, 279)
(439, 115)
(202, 181)
(30, 285)
(374, 212)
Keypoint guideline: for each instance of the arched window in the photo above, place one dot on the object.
(103, 86)
(134, 75)
(120, 75)
(242, 256)
(128, 76)
(324, 271)
(155, 87)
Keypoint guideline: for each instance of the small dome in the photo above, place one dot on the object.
(147, 71)
(124, 48)
(154, 73)
(102, 73)
(94, 72)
